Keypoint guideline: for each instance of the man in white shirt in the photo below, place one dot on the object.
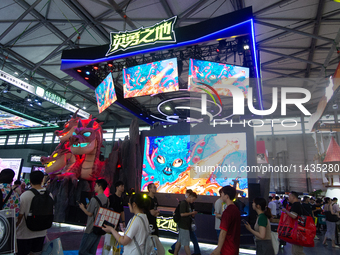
(272, 206)
(30, 241)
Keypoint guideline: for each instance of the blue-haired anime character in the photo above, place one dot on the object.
(171, 158)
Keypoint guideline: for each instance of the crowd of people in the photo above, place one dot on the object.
(145, 211)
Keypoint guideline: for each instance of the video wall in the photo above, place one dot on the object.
(11, 121)
(215, 74)
(203, 163)
(152, 78)
(105, 93)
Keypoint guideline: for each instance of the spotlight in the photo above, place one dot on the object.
(87, 78)
(79, 70)
(31, 105)
(28, 98)
(110, 64)
(168, 108)
(246, 47)
(95, 67)
(87, 72)
(84, 107)
(16, 73)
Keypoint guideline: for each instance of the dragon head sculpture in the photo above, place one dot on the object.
(69, 128)
(58, 160)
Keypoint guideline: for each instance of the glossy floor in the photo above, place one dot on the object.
(71, 236)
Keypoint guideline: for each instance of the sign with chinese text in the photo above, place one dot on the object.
(162, 32)
(54, 98)
(17, 82)
(167, 224)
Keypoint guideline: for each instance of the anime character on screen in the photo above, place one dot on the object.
(168, 159)
(211, 73)
(151, 78)
(175, 163)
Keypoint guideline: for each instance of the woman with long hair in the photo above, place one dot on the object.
(330, 225)
(262, 230)
(135, 229)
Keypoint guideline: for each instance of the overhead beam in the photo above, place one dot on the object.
(87, 17)
(11, 43)
(282, 58)
(327, 60)
(270, 7)
(120, 11)
(17, 21)
(48, 25)
(316, 30)
(167, 8)
(184, 15)
(294, 31)
(309, 23)
(292, 57)
(56, 50)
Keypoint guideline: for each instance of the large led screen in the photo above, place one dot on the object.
(203, 163)
(152, 78)
(216, 75)
(105, 93)
(12, 163)
(11, 121)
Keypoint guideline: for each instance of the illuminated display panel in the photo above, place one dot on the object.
(38, 168)
(179, 162)
(105, 93)
(213, 74)
(11, 121)
(12, 163)
(152, 78)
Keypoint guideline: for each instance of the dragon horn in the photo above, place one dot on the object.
(80, 125)
(90, 125)
(75, 114)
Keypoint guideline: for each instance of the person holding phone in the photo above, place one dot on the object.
(262, 230)
(135, 229)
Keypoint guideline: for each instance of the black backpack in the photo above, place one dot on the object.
(177, 214)
(98, 230)
(40, 216)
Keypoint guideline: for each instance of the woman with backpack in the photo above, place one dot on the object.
(135, 232)
(262, 230)
(328, 209)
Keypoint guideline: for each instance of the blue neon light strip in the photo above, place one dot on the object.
(259, 86)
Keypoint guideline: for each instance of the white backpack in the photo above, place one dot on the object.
(152, 244)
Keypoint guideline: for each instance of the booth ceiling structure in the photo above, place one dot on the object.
(294, 39)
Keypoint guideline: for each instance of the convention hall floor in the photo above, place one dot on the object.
(71, 236)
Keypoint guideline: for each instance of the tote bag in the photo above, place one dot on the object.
(300, 231)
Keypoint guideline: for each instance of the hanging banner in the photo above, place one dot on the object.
(17, 82)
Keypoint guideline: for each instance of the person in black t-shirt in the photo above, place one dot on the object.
(295, 211)
(116, 201)
(153, 212)
(307, 206)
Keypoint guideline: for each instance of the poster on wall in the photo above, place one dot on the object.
(152, 78)
(13, 163)
(217, 74)
(203, 163)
